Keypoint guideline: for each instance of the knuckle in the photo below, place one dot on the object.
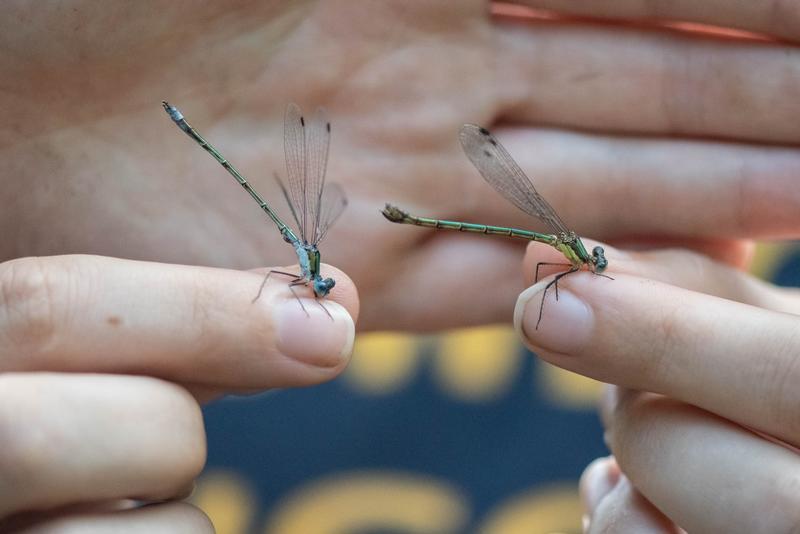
(29, 291)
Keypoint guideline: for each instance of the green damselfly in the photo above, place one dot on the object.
(500, 170)
(315, 206)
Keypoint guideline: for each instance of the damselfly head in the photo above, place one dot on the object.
(599, 259)
(323, 287)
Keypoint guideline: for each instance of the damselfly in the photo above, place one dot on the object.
(314, 205)
(500, 170)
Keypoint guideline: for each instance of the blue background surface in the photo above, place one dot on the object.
(508, 461)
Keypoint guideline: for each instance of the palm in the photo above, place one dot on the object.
(99, 168)
(138, 188)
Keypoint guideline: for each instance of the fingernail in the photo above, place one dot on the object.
(311, 336)
(597, 481)
(565, 326)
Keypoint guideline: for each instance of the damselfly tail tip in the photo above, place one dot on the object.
(172, 111)
(393, 213)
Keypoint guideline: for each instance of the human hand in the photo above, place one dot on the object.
(93, 165)
(703, 422)
(103, 363)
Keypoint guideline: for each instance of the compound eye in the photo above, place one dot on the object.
(600, 262)
(323, 287)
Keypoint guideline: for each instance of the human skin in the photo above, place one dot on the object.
(702, 418)
(635, 134)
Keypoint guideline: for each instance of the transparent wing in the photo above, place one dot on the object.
(288, 199)
(500, 170)
(306, 145)
(318, 140)
(294, 147)
(333, 204)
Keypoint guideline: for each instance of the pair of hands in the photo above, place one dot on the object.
(93, 165)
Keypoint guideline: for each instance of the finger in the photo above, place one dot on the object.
(780, 19)
(72, 438)
(187, 324)
(173, 517)
(737, 253)
(629, 80)
(615, 505)
(705, 473)
(732, 359)
(622, 188)
(597, 481)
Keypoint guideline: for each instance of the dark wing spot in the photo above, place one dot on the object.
(487, 153)
(302, 121)
(484, 131)
(328, 127)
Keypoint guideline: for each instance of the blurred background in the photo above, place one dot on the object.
(460, 432)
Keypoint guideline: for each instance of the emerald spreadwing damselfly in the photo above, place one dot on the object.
(315, 206)
(500, 170)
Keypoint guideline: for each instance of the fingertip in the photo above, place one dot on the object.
(315, 332)
(344, 292)
(597, 481)
(557, 323)
(624, 509)
(536, 253)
